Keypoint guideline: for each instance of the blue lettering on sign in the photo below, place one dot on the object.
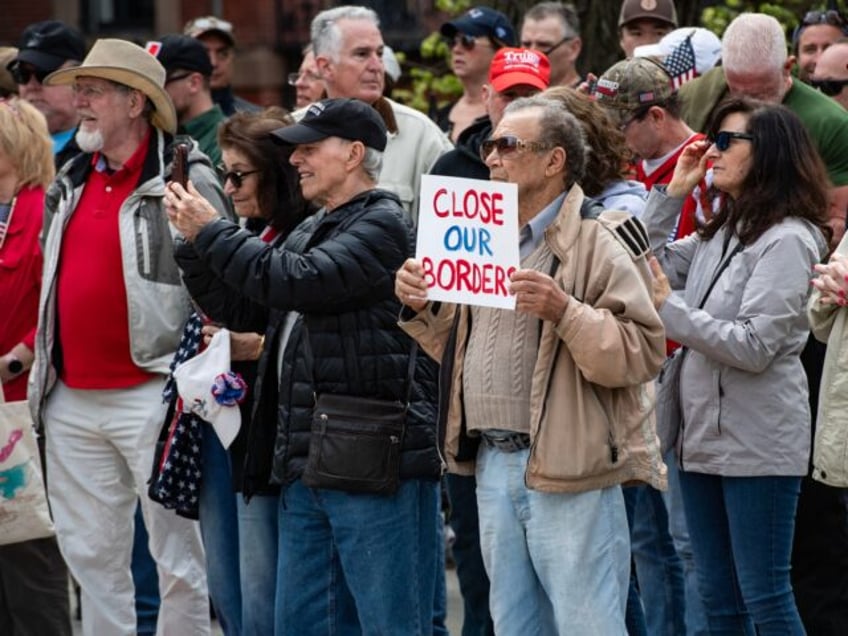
(470, 239)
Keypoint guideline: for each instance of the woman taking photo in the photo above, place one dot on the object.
(240, 531)
(740, 288)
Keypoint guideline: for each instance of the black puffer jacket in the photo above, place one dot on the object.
(338, 271)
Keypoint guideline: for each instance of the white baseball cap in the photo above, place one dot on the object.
(705, 44)
(195, 379)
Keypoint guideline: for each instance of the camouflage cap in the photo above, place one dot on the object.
(631, 84)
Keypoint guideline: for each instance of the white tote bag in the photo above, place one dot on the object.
(24, 513)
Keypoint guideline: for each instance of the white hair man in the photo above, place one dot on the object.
(755, 64)
(111, 313)
(348, 49)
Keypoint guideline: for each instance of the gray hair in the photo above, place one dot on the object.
(325, 33)
(753, 42)
(559, 128)
(564, 12)
(372, 162)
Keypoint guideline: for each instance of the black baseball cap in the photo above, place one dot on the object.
(178, 52)
(480, 22)
(49, 44)
(342, 117)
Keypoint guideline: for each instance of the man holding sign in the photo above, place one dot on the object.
(546, 404)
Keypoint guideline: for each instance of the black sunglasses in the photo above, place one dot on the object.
(829, 87)
(22, 74)
(507, 145)
(831, 17)
(468, 42)
(236, 176)
(723, 138)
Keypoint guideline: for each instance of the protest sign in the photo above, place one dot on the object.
(468, 240)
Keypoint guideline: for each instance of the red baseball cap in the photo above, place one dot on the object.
(513, 67)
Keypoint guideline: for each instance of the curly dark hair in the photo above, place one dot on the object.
(607, 155)
(787, 177)
(278, 188)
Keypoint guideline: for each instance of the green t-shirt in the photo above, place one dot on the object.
(204, 130)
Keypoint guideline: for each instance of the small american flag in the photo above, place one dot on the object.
(680, 63)
(5, 220)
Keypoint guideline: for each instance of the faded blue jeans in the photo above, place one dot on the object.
(559, 563)
(741, 530)
(258, 536)
(219, 531)
(358, 563)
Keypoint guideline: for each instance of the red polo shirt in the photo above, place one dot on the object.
(92, 314)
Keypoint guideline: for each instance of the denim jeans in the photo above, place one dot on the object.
(358, 563)
(558, 563)
(145, 579)
(741, 530)
(470, 571)
(659, 569)
(219, 529)
(258, 536)
(695, 614)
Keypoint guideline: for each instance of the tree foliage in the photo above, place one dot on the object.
(432, 82)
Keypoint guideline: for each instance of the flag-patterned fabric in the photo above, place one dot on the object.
(680, 63)
(176, 478)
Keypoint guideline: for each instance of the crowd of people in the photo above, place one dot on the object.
(681, 215)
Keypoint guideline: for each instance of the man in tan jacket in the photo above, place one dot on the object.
(547, 405)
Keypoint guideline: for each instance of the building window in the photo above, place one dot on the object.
(109, 16)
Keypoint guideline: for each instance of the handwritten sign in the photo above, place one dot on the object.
(468, 240)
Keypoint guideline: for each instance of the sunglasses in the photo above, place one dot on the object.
(22, 74)
(509, 144)
(829, 87)
(831, 17)
(234, 176)
(723, 138)
(468, 42)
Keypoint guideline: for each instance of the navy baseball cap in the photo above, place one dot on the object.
(347, 118)
(482, 22)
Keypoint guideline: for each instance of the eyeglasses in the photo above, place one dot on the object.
(308, 75)
(509, 144)
(235, 176)
(636, 115)
(22, 74)
(177, 78)
(723, 138)
(829, 87)
(89, 93)
(547, 50)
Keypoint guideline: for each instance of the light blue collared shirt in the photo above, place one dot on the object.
(531, 235)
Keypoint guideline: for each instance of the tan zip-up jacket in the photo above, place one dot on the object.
(591, 423)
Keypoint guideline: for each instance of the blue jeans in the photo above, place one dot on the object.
(145, 579)
(659, 569)
(470, 571)
(258, 536)
(741, 530)
(219, 531)
(695, 615)
(358, 563)
(558, 563)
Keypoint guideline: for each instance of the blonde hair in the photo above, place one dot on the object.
(25, 140)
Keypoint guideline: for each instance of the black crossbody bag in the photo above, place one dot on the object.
(356, 441)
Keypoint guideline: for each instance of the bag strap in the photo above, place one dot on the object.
(739, 247)
(310, 363)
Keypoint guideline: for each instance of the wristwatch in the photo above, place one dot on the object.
(14, 365)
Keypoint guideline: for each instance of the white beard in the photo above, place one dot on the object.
(89, 141)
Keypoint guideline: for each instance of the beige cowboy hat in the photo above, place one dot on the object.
(129, 64)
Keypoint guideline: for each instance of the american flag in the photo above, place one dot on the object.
(680, 63)
(5, 220)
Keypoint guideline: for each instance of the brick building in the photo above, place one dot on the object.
(270, 33)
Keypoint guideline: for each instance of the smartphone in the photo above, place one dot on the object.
(179, 169)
